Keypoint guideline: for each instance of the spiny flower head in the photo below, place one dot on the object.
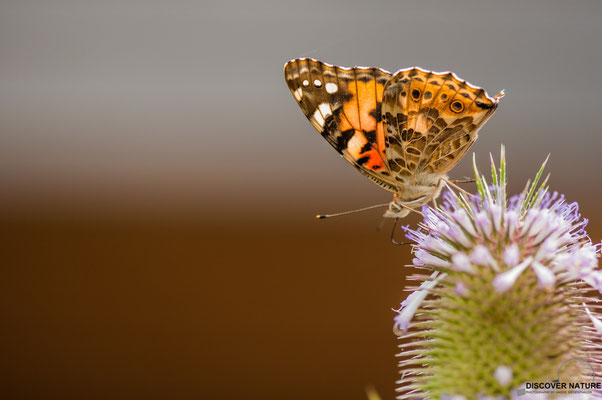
(502, 300)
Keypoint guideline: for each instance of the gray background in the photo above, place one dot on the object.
(160, 102)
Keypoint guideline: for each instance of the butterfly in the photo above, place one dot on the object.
(404, 131)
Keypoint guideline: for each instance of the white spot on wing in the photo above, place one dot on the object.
(317, 83)
(331, 87)
(298, 94)
(325, 109)
(305, 83)
(322, 112)
(318, 118)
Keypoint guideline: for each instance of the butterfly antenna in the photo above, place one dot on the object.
(322, 216)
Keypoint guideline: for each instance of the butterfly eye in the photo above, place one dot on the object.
(416, 94)
(457, 106)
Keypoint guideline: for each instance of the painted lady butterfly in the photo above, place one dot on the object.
(404, 131)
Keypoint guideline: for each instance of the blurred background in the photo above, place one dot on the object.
(159, 185)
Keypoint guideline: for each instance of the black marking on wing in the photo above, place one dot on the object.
(484, 105)
(363, 160)
(371, 136)
(343, 140)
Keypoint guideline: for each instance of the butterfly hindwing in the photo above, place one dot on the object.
(432, 119)
(344, 104)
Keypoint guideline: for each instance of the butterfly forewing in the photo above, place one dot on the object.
(343, 104)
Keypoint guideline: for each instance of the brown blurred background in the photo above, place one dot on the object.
(158, 185)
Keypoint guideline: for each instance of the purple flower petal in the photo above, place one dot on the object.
(461, 218)
(545, 276)
(496, 215)
(547, 249)
(430, 260)
(505, 280)
(457, 235)
(484, 223)
(460, 289)
(512, 218)
(412, 302)
(461, 262)
(482, 256)
(511, 255)
(437, 245)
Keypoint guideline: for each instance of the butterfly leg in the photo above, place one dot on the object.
(410, 209)
(463, 181)
(393, 235)
(456, 187)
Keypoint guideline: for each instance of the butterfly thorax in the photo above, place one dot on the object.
(414, 195)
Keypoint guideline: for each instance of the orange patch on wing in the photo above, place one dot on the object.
(374, 162)
(366, 95)
(363, 102)
(379, 91)
(350, 109)
(354, 148)
(345, 125)
(357, 116)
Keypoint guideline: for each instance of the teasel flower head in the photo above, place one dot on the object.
(506, 293)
